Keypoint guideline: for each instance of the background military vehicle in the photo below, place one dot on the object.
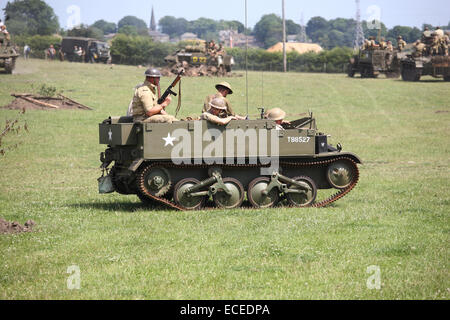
(143, 163)
(196, 60)
(415, 64)
(8, 55)
(415, 67)
(95, 50)
(370, 63)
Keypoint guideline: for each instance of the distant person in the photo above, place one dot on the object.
(217, 113)
(401, 44)
(389, 46)
(51, 52)
(144, 106)
(26, 52)
(83, 55)
(383, 44)
(6, 33)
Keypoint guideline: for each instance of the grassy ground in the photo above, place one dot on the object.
(397, 218)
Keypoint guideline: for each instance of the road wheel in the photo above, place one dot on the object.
(340, 174)
(350, 71)
(303, 199)
(225, 201)
(447, 78)
(256, 194)
(185, 201)
(410, 74)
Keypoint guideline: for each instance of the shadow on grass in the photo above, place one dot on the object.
(424, 81)
(119, 206)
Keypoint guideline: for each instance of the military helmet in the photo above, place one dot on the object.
(275, 114)
(153, 73)
(399, 37)
(225, 85)
(218, 103)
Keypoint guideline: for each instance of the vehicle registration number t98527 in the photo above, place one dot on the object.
(299, 139)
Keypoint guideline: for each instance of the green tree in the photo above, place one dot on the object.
(86, 32)
(203, 27)
(133, 21)
(106, 27)
(31, 17)
(128, 30)
(173, 26)
(269, 30)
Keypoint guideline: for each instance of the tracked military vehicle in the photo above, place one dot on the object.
(197, 61)
(371, 63)
(415, 65)
(189, 164)
(8, 55)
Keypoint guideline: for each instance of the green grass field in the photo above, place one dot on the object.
(397, 218)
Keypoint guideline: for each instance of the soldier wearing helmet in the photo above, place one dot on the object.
(223, 90)
(217, 113)
(278, 116)
(144, 106)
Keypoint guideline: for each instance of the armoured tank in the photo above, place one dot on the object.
(371, 63)
(188, 165)
(8, 55)
(197, 60)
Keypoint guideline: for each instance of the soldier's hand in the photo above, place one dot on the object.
(166, 102)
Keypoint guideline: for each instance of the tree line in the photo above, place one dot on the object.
(33, 22)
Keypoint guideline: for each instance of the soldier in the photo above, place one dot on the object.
(144, 106)
(435, 44)
(278, 116)
(372, 43)
(217, 113)
(223, 90)
(383, 44)
(426, 34)
(445, 42)
(419, 48)
(389, 46)
(401, 44)
(439, 32)
(6, 33)
(366, 45)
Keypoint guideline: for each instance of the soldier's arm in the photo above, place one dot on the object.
(149, 102)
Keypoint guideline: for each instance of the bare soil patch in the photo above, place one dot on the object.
(36, 102)
(15, 227)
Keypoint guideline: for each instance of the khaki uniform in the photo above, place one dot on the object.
(435, 45)
(390, 47)
(383, 45)
(372, 44)
(214, 96)
(419, 49)
(401, 44)
(144, 100)
(212, 118)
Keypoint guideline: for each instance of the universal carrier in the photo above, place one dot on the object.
(177, 164)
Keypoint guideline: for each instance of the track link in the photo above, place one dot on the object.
(339, 195)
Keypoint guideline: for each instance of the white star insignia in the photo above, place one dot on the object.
(110, 135)
(169, 140)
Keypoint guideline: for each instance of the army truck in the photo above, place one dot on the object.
(189, 164)
(8, 55)
(197, 61)
(95, 50)
(414, 67)
(371, 63)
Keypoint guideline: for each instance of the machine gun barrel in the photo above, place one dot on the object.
(169, 90)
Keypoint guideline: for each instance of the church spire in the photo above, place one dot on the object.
(153, 22)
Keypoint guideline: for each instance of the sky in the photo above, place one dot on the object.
(392, 12)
